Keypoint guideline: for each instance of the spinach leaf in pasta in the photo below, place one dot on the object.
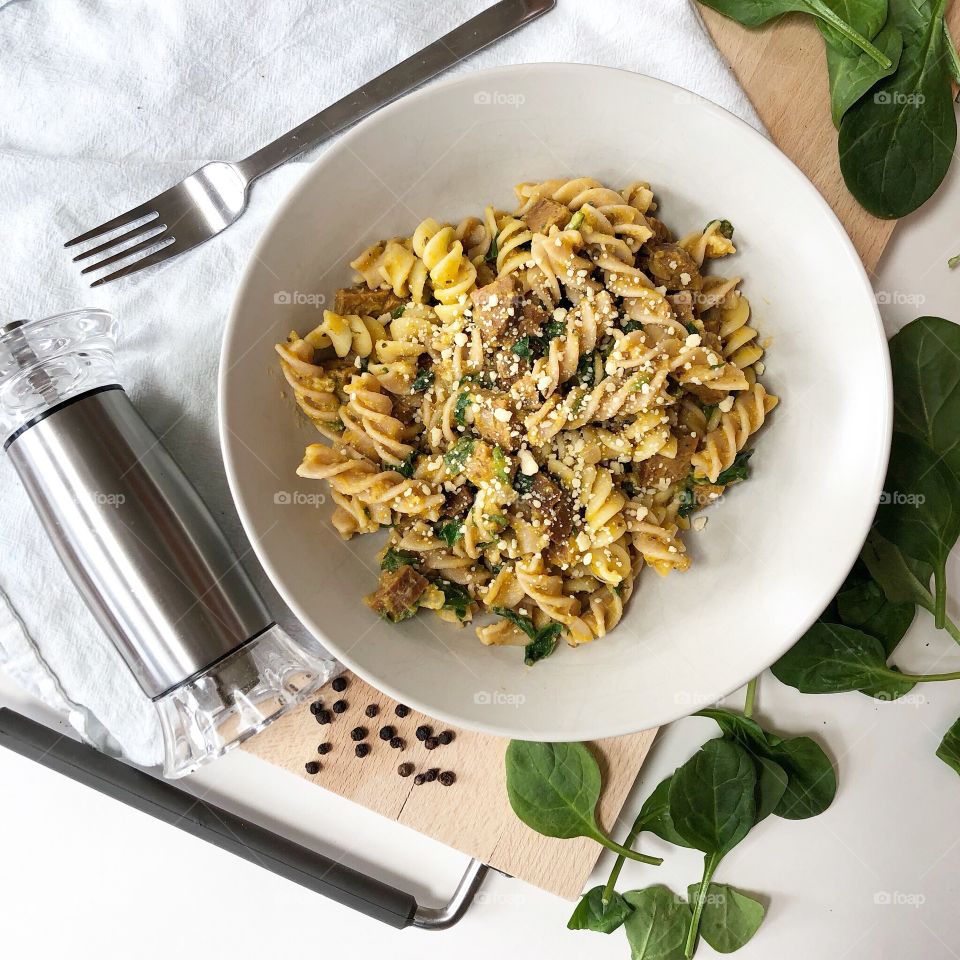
(423, 380)
(455, 598)
(461, 408)
(406, 468)
(543, 644)
(457, 456)
(450, 532)
(393, 560)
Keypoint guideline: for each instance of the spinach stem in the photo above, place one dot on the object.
(625, 852)
(841, 26)
(940, 595)
(620, 861)
(709, 865)
(952, 629)
(750, 697)
(952, 54)
(927, 677)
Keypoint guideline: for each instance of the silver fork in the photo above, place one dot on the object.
(211, 198)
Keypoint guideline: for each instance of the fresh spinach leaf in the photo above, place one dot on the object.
(896, 145)
(862, 604)
(811, 779)
(730, 917)
(925, 357)
(712, 797)
(772, 783)
(754, 13)
(393, 560)
(657, 925)
(864, 16)
(853, 76)
(654, 815)
(903, 581)
(591, 913)
(920, 510)
(713, 807)
(457, 456)
(397, 312)
(949, 749)
(831, 658)
(518, 620)
(554, 789)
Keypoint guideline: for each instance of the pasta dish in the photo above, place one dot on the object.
(536, 404)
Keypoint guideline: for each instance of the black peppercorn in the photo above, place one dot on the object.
(387, 732)
(432, 774)
(324, 748)
(372, 710)
(405, 769)
(401, 710)
(424, 732)
(361, 749)
(419, 779)
(312, 767)
(316, 707)
(431, 743)
(447, 777)
(324, 716)
(446, 737)
(358, 733)
(340, 706)
(397, 743)
(340, 684)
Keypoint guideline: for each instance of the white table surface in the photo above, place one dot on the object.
(876, 876)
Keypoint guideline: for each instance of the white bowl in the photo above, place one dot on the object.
(773, 553)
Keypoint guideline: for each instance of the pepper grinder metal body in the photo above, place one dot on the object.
(141, 547)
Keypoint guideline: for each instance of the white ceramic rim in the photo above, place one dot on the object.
(873, 488)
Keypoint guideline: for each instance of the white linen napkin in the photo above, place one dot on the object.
(106, 103)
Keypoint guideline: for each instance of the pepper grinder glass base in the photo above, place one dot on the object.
(208, 715)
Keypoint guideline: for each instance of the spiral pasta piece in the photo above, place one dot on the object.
(721, 446)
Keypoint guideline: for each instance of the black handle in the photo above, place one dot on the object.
(225, 830)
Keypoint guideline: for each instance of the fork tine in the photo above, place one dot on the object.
(123, 220)
(129, 235)
(159, 256)
(123, 254)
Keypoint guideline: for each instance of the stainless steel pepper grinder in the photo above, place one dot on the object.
(141, 547)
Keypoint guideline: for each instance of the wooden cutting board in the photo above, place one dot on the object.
(782, 68)
(473, 814)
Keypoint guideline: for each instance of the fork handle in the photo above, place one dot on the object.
(498, 21)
